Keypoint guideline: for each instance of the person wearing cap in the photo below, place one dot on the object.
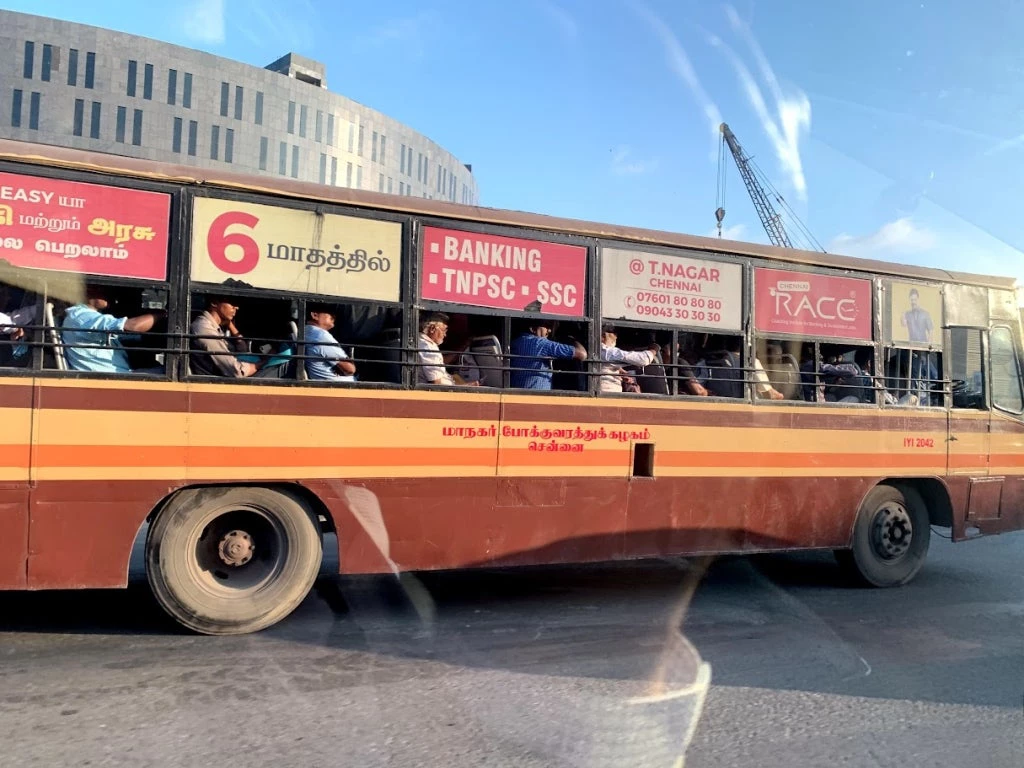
(92, 337)
(215, 341)
(532, 352)
(613, 358)
(325, 359)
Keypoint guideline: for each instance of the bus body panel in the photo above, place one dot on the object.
(15, 447)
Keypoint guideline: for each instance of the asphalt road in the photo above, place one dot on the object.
(533, 668)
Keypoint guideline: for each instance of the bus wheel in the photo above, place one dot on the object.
(226, 561)
(890, 537)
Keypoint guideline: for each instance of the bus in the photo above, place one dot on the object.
(159, 384)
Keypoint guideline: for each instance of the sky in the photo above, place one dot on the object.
(894, 130)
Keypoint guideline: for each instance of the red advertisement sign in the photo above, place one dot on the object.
(812, 305)
(70, 226)
(503, 272)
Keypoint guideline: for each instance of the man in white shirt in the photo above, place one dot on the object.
(613, 358)
(431, 368)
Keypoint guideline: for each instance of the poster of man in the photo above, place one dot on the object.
(915, 314)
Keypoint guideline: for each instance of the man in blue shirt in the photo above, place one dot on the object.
(325, 359)
(532, 353)
(92, 338)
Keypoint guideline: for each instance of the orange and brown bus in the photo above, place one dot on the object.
(774, 400)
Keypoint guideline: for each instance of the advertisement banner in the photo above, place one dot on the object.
(70, 226)
(503, 272)
(655, 287)
(818, 306)
(915, 314)
(284, 249)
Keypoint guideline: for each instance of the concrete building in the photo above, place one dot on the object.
(79, 86)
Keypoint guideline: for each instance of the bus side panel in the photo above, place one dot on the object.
(92, 443)
(15, 447)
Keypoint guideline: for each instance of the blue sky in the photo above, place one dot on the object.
(895, 129)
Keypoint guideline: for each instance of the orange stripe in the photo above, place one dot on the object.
(794, 460)
(249, 456)
(523, 457)
(14, 456)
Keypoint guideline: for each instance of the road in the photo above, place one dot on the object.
(515, 668)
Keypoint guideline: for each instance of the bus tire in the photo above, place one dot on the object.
(890, 537)
(228, 560)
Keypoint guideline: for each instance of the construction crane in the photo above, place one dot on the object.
(756, 183)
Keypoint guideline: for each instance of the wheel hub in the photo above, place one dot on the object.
(893, 531)
(236, 548)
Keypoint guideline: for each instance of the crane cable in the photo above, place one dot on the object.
(720, 187)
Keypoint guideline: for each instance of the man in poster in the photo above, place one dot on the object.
(917, 320)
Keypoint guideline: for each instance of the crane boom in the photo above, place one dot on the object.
(769, 217)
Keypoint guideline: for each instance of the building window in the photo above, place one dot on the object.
(334, 171)
(303, 113)
(383, 146)
(172, 86)
(214, 142)
(323, 168)
(359, 177)
(147, 83)
(33, 111)
(16, 109)
(90, 70)
(330, 130)
(239, 92)
(359, 146)
(390, 187)
(348, 175)
(401, 187)
(295, 162)
(47, 63)
(137, 128)
(186, 94)
(176, 139)
(122, 119)
(30, 54)
(229, 146)
(351, 137)
(133, 67)
(380, 183)
(225, 93)
(282, 161)
(291, 117)
(193, 131)
(373, 147)
(401, 168)
(320, 127)
(94, 122)
(79, 118)
(259, 108)
(263, 153)
(73, 67)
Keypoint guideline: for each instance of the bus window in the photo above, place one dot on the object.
(913, 376)
(633, 359)
(460, 349)
(1005, 376)
(241, 337)
(965, 368)
(547, 354)
(369, 335)
(722, 364)
(19, 311)
(110, 329)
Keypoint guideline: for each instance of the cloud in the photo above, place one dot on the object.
(681, 67)
(624, 164)
(562, 19)
(792, 110)
(900, 237)
(735, 232)
(203, 21)
(410, 34)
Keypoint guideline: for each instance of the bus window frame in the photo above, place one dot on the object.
(1019, 415)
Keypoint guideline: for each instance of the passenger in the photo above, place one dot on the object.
(92, 338)
(692, 370)
(532, 352)
(329, 363)
(612, 359)
(763, 385)
(214, 341)
(431, 368)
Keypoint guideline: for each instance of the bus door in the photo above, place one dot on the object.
(15, 448)
(1006, 430)
(968, 446)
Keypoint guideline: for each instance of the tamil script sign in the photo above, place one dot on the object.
(503, 272)
(812, 305)
(71, 226)
(637, 285)
(284, 249)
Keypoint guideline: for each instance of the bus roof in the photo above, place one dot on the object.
(101, 162)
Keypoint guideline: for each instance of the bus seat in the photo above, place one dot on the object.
(725, 375)
(486, 353)
(54, 338)
(652, 379)
(299, 365)
(784, 374)
(391, 355)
